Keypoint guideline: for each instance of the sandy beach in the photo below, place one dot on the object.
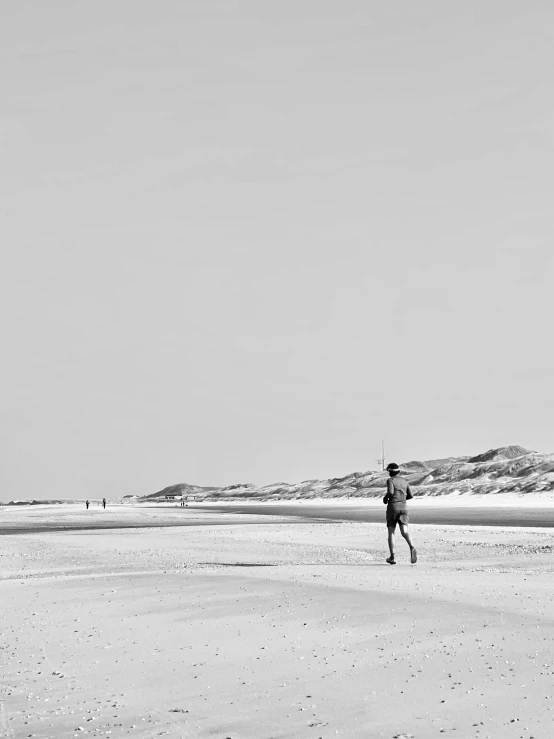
(255, 627)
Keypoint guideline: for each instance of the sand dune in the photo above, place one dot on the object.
(509, 470)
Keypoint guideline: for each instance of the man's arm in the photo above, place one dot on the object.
(390, 491)
(409, 494)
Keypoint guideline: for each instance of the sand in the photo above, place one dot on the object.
(264, 628)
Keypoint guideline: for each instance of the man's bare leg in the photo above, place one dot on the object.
(405, 533)
(391, 541)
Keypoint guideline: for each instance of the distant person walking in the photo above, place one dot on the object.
(104, 503)
(87, 504)
(398, 492)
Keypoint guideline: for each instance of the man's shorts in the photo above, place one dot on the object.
(397, 515)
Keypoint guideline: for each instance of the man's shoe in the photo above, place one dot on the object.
(414, 556)
(391, 560)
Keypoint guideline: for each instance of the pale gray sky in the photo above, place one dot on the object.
(242, 241)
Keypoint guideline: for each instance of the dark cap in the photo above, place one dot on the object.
(393, 467)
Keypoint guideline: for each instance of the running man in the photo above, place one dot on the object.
(398, 492)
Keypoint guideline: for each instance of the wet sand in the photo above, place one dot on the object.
(269, 628)
(36, 519)
(420, 514)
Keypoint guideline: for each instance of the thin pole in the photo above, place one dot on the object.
(381, 460)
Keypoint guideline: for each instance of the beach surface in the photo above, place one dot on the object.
(131, 622)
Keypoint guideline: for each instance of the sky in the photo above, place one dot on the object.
(244, 241)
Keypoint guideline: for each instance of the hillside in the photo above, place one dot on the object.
(511, 469)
